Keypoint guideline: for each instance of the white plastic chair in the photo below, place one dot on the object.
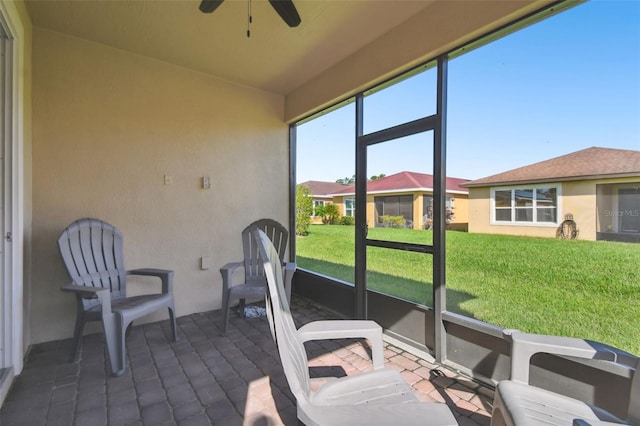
(377, 397)
(518, 403)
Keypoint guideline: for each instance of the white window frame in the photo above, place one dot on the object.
(353, 209)
(533, 223)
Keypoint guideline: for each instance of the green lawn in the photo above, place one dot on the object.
(574, 288)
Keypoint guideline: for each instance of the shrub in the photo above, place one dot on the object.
(392, 221)
(330, 214)
(347, 220)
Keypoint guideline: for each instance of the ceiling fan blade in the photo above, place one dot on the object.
(287, 11)
(208, 6)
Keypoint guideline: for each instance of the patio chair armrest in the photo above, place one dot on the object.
(227, 271)
(524, 346)
(347, 329)
(165, 275)
(82, 292)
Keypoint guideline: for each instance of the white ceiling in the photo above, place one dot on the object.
(275, 58)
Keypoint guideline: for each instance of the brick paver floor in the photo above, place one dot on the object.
(208, 378)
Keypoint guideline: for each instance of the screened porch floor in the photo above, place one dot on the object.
(208, 378)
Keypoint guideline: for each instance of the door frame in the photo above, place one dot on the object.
(435, 123)
(11, 284)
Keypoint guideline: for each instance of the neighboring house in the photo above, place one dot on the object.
(409, 195)
(597, 188)
(320, 191)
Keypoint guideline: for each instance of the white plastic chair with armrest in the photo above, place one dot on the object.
(518, 403)
(377, 397)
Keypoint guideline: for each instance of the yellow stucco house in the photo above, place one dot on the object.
(594, 194)
(407, 194)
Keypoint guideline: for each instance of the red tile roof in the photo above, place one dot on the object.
(590, 163)
(407, 181)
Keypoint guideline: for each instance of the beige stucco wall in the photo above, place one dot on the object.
(460, 208)
(578, 199)
(107, 127)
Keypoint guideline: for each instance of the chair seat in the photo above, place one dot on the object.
(400, 414)
(385, 386)
(246, 292)
(528, 405)
(137, 306)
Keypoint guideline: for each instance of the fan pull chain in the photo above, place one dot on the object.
(250, 19)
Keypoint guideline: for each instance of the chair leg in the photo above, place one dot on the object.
(114, 334)
(172, 318)
(77, 337)
(225, 313)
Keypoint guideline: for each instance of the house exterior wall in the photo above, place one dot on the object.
(461, 204)
(578, 198)
(107, 127)
(460, 211)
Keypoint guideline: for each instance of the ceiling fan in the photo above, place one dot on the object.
(285, 8)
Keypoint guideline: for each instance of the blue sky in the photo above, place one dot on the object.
(567, 83)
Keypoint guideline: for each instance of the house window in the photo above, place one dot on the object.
(427, 210)
(526, 205)
(317, 203)
(349, 206)
(394, 206)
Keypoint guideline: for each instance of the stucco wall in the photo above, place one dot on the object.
(107, 127)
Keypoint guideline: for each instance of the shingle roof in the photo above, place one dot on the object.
(323, 189)
(407, 181)
(590, 163)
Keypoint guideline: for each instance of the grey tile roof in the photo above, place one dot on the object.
(590, 163)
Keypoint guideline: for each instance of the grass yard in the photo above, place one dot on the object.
(587, 289)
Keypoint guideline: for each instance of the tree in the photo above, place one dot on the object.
(351, 180)
(347, 180)
(304, 210)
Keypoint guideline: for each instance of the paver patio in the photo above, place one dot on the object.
(208, 378)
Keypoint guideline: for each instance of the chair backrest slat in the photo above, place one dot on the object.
(290, 347)
(253, 265)
(85, 235)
